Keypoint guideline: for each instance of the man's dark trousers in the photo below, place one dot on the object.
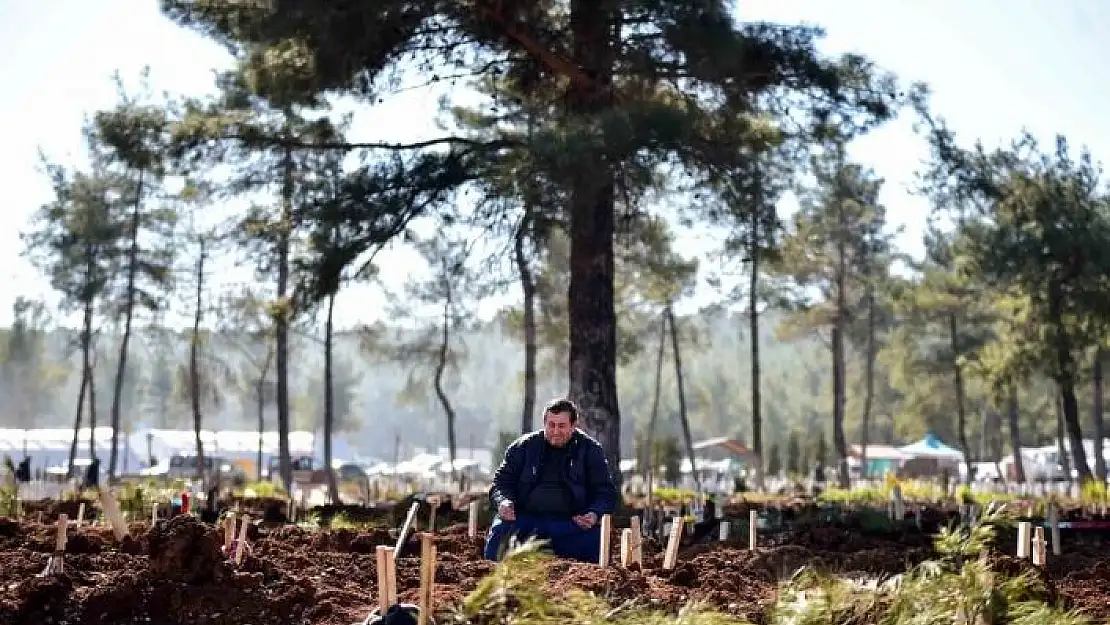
(563, 536)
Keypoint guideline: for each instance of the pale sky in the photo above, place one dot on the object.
(995, 66)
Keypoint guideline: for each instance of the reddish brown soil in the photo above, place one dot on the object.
(174, 574)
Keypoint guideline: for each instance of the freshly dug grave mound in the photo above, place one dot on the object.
(185, 550)
(180, 579)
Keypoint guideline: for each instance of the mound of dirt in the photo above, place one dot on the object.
(292, 575)
(184, 550)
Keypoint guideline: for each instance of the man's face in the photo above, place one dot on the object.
(557, 428)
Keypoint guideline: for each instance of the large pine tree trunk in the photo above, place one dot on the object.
(595, 28)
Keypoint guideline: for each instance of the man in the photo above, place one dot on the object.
(553, 484)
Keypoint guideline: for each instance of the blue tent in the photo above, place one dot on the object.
(931, 447)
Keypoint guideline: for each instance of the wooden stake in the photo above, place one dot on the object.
(606, 538)
(670, 557)
(381, 553)
(111, 510)
(242, 544)
(387, 580)
(403, 536)
(472, 519)
(434, 503)
(153, 514)
(722, 531)
(1024, 539)
(229, 533)
(753, 529)
(1039, 551)
(427, 578)
(626, 547)
(899, 505)
(81, 514)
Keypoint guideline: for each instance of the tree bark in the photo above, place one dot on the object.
(840, 323)
(1066, 379)
(528, 289)
(260, 406)
(592, 363)
(958, 384)
(92, 403)
(654, 417)
(86, 368)
(129, 314)
(194, 359)
(1013, 415)
(686, 434)
(753, 330)
(444, 400)
(329, 399)
(869, 381)
(281, 321)
(1097, 426)
(1062, 436)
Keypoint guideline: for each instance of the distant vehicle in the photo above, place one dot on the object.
(302, 466)
(185, 467)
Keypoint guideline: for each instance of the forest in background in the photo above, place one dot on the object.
(379, 399)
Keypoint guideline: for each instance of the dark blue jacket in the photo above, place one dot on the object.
(586, 474)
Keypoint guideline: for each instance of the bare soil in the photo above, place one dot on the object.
(174, 574)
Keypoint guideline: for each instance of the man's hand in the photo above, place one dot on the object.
(585, 521)
(506, 511)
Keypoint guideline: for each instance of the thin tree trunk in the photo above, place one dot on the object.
(329, 399)
(86, 348)
(281, 323)
(839, 365)
(1065, 378)
(653, 419)
(1097, 426)
(444, 401)
(528, 289)
(194, 360)
(260, 406)
(1061, 436)
(92, 404)
(869, 382)
(595, 26)
(1013, 414)
(753, 330)
(686, 434)
(129, 313)
(958, 383)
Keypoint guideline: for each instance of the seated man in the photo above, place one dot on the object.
(553, 484)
